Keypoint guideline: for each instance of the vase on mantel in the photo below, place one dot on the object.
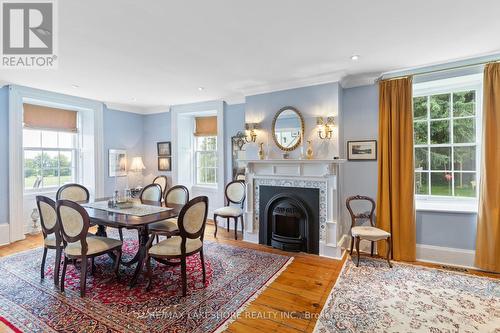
(261, 150)
(309, 151)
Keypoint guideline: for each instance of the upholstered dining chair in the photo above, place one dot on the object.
(240, 176)
(191, 221)
(163, 182)
(73, 192)
(178, 195)
(51, 234)
(234, 194)
(74, 223)
(370, 233)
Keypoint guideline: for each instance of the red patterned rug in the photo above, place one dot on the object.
(234, 277)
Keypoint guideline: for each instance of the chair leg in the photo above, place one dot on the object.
(157, 239)
(236, 228)
(352, 244)
(42, 268)
(57, 266)
(149, 272)
(120, 232)
(389, 250)
(92, 267)
(227, 220)
(242, 225)
(215, 223)
(184, 276)
(117, 263)
(83, 276)
(371, 251)
(203, 265)
(357, 249)
(63, 275)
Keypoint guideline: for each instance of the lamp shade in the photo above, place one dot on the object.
(137, 164)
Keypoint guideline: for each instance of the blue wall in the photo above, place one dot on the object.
(4, 154)
(234, 121)
(156, 128)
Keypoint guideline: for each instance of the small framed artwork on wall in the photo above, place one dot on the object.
(164, 163)
(163, 148)
(362, 150)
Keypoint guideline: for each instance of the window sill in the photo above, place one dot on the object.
(212, 188)
(446, 206)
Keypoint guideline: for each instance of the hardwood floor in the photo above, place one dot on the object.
(291, 303)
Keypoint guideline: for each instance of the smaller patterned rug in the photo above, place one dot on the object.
(409, 298)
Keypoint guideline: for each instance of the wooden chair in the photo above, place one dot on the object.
(73, 192)
(78, 244)
(179, 195)
(370, 233)
(191, 221)
(234, 194)
(163, 182)
(240, 176)
(51, 234)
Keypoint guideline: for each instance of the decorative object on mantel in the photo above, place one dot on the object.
(251, 127)
(117, 160)
(362, 150)
(286, 156)
(288, 128)
(261, 151)
(35, 215)
(309, 152)
(325, 127)
(164, 163)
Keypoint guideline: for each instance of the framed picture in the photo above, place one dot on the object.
(164, 163)
(117, 160)
(163, 148)
(363, 150)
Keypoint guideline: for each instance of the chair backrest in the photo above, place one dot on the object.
(37, 183)
(73, 222)
(363, 215)
(178, 194)
(73, 192)
(48, 216)
(163, 182)
(151, 192)
(240, 176)
(235, 192)
(192, 219)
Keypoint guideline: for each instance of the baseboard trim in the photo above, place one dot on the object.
(4, 234)
(445, 256)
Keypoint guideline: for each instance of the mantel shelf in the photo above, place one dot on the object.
(282, 161)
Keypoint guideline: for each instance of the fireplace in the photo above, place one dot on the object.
(290, 220)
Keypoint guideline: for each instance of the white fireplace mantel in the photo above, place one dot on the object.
(325, 175)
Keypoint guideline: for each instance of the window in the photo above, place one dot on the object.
(447, 140)
(49, 159)
(206, 160)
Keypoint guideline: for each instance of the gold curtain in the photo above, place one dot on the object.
(396, 196)
(43, 117)
(206, 126)
(488, 222)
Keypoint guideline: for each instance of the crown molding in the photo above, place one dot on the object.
(359, 80)
(137, 109)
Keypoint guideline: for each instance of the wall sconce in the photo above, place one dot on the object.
(251, 127)
(325, 127)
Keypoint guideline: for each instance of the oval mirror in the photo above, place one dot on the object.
(288, 128)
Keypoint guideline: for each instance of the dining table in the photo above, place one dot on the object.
(104, 217)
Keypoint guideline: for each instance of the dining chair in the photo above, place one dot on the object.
(240, 176)
(78, 244)
(234, 194)
(163, 182)
(370, 233)
(73, 192)
(191, 221)
(178, 195)
(51, 234)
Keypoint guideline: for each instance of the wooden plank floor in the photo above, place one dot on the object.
(290, 304)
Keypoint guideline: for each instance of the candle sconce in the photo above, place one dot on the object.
(325, 127)
(250, 128)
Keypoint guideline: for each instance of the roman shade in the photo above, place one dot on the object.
(43, 117)
(205, 126)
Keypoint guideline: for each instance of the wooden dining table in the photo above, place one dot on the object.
(105, 219)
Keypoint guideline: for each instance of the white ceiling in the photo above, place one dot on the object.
(147, 54)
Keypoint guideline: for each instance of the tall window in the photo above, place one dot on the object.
(206, 160)
(49, 159)
(447, 142)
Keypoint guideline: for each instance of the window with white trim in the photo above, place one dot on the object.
(447, 139)
(49, 159)
(206, 160)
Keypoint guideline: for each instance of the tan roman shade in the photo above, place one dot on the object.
(206, 126)
(43, 117)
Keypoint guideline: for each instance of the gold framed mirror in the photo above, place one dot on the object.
(288, 128)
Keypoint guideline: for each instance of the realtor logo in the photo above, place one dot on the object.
(28, 39)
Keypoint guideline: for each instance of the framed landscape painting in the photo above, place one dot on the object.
(164, 164)
(363, 150)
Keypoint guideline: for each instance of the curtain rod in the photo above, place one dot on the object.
(381, 77)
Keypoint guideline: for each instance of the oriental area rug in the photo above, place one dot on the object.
(409, 298)
(235, 276)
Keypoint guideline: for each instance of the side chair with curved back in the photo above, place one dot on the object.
(73, 192)
(163, 182)
(192, 221)
(370, 233)
(51, 234)
(74, 224)
(234, 194)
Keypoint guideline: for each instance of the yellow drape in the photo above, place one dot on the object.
(396, 196)
(488, 221)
